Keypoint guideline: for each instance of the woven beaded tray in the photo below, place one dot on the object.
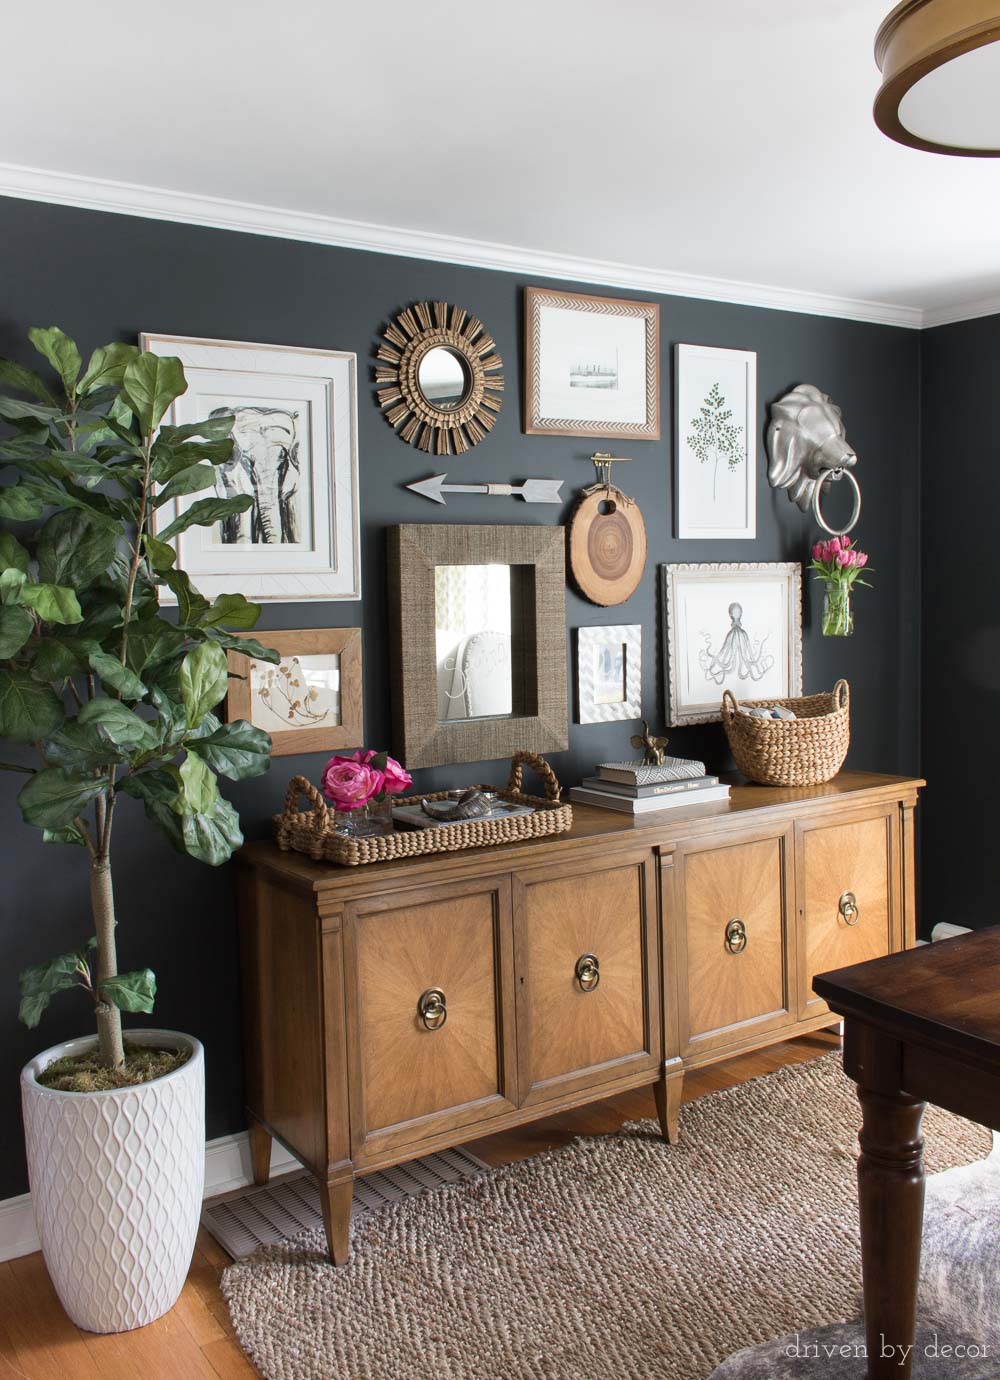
(312, 831)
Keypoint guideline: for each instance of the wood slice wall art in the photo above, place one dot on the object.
(439, 427)
(607, 546)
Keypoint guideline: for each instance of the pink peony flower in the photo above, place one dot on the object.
(349, 782)
(396, 778)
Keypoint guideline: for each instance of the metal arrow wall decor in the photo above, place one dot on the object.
(532, 490)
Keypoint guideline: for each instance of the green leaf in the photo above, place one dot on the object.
(55, 795)
(53, 603)
(190, 604)
(150, 385)
(203, 680)
(115, 676)
(42, 981)
(212, 838)
(12, 553)
(70, 835)
(24, 380)
(160, 555)
(199, 788)
(248, 646)
(106, 367)
(16, 626)
(17, 410)
(237, 750)
(12, 582)
(189, 481)
(74, 548)
(210, 429)
(150, 642)
(205, 512)
(83, 745)
(19, 504)
(58, 658)
(60, 351)
(122, 725)
(233, 610)
(130, 991)
(158, 792)
(28, 710)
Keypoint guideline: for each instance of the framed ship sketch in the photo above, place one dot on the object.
(716, 443)
(295, 452)
(735, 627)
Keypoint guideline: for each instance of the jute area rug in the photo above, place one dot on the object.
(616, 1258)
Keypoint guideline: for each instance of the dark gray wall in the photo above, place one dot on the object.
(960, 750)
(104, 277)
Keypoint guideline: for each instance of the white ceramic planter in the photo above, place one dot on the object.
(116, 1184)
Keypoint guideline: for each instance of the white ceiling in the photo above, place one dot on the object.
(722, 139)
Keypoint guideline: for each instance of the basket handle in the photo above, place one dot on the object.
(730, 704)
(553, 790)
(300, 785)
(842, 694)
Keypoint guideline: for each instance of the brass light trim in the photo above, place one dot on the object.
(456, 428)
(917, 37)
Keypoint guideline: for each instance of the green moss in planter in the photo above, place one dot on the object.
(85, 1072)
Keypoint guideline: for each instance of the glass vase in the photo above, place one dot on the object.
(838, 617)
(368, 822)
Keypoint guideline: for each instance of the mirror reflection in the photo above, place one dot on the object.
(473, 634)
(444, 378)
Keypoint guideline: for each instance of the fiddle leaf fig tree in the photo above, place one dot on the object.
(110, 702)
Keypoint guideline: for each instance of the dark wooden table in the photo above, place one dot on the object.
(921, 1026)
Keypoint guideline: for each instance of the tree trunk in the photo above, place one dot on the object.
(109, 1018)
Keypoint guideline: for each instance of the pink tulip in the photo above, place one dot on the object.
(844, 559)
(862, 558)
(819, 551)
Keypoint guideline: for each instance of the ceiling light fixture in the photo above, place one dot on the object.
(940, 65)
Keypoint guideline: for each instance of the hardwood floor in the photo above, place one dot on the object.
(38, 1341)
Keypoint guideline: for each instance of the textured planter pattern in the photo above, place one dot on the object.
(117, 1180)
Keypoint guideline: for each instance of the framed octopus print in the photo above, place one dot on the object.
(295, 454)
(311, 700)
(735, 627)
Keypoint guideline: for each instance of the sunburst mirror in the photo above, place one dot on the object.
(442, 378)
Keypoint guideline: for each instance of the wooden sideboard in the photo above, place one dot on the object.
(399, 1008)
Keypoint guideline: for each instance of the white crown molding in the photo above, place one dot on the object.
(227, 1167)
(155, 203)
(961, 311)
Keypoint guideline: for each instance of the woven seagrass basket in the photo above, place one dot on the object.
(312, 831)
(804, 751)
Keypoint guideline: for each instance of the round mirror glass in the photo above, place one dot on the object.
(444, 378)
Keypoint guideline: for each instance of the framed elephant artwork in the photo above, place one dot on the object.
(295, 456)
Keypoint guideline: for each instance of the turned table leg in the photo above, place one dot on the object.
(891, 1199)
(668, 1105)
(336, 1200)
(260, 1152)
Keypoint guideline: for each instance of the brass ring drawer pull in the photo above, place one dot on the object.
(588, 972)
(433, 1008)
(848, 908)
(736, 936)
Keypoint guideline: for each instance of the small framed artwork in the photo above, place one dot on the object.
(609, 673)
(735, 627)
(716, 443)
(592, 365)
(311, 700)
(294, 450)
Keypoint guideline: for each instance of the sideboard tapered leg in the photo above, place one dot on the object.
(336, 1200)
(668, 1093)
(260, 1152)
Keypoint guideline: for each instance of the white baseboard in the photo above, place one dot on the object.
(227, 1167)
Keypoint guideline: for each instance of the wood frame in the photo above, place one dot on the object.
(685, 358)
(535, 424)
(414, 550)
(346, 642)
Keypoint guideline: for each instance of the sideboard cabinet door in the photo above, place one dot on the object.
(732, 904)
(587, 974)
(848, 888)
(430, 1013)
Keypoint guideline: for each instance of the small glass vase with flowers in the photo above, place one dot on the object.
(360, 789)
(838, 563)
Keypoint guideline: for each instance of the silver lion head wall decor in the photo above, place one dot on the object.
(808, 450)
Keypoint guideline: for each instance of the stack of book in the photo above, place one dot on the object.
(634, 787)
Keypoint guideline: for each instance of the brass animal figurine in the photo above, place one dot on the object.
(652, 748)
(471, 804)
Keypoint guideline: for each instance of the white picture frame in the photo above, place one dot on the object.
(302, 400)
(715, 419)
(609, 673)
(729, 626)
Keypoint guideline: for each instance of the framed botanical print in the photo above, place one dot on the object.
(609, 673)
(591, 365)
(735, 627)
(311, 701)
(295, 453)
(716, 442)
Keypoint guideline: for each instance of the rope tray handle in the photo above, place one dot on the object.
(841, 694)
(540, 767)
(730, 704)
(300, 785)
